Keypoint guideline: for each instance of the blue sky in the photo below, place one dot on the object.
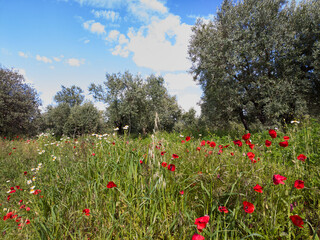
(76, 42)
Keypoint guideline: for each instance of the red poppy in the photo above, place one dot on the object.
(141, 161)
(202, 222)
(171, 167)
(302, 157)
(268, 143)
(208, 142)
(212, 144)
(237, 142)
(28, 209)
(198, 148)
(197, 237)
(111, 185)
(27, 221)
(182, 141)
(203, 143)
(248, 207)
(223, 209)
(25, 173)
(164, 164)
(10, 153)
(226, 146)
(250, 155)
(284, 143)
(232, 154)
(272, 133)
(246, 136)
(258, 188)
(175, 156)
(251, 146)
(299, 184)
(297, 220)
(86, 212)
(286, 138)
(162, 153)
(181, 192)
(278, 179)
(188, 138)
(93, 154)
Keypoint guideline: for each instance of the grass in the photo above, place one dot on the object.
(147, 203)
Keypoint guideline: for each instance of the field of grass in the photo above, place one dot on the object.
(62, 189)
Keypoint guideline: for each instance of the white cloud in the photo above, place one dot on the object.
(154, 5)
(22, 54)
(74, 62)
(121, 51)
(113, 35)
(43, 59)
(86, 41)
(187, 101)
(108, 15)
(160, 46)
(94, 27)
(179, 81)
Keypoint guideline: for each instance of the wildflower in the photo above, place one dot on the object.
(223, 209)
(302, 157)
(28, 209)
(141, 161)
(181, 136)
(299, 184)
(284, 144)
(250, 155)
(93, 154)
(181, 192)
(268, 143)
(286, 138)
(86, 211)
(125, 127)
(198, 148)
(294, 121)
(258, 188)
(272, 133)
(116, 129)
(248, 207)
(203, 143)
(111, 185)
(182, 141)
(197, 237)
(25, 172)
(202, 222)
(164, 164)
(162, 153)
(175, 156)
(278, 179)
(238, 142)
(297, 220)
(232, 154)
(212, 144)
(246, 136)
(171, 167)
(188, 138)
(29, 182)
(34, 178)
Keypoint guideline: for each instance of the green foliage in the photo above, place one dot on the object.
(83, 119)
(143, 105)
(72, 96)
(19, 105)
(257, 62)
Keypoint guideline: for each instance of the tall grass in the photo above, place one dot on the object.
(147, 203)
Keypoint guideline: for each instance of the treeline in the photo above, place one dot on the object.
(142, 104)
(258, 62)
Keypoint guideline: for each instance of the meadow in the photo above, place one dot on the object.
(163, 186)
